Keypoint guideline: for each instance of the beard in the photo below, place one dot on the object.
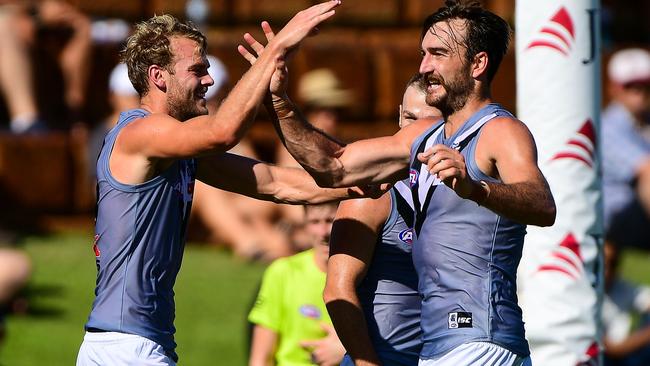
(456, 92)
(184, 106)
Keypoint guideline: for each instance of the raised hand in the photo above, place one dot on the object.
(300, 26)
(279, 80)
(257, 47)
(304, 23)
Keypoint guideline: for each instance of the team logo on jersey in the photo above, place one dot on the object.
(406, 236)
(185, 187)
(460, 319)
(310, 311)
(95, 247)
(557, 34)
(413, 177)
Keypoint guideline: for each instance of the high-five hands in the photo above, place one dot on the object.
(279, 80)
(449, 165)
(298, 28)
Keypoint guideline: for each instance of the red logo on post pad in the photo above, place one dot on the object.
(558, 33)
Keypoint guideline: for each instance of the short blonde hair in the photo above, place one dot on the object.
(150, 45)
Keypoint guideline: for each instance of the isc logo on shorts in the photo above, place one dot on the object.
(460, 319)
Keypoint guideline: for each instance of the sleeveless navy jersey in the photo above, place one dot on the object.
(389, 294)
(466, 256)
(139, 241)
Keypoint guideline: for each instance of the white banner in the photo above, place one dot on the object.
(558, 97)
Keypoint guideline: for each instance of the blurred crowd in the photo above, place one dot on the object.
(625, 127)
(21, 23)
(257, 230)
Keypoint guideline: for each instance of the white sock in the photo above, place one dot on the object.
(22, 123)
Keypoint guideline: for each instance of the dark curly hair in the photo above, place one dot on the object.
(149, 45)
(486, 31)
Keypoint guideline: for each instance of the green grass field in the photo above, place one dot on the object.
(213, 293)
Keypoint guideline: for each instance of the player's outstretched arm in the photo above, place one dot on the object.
(330, 162)
(161, 136)
(268, 182)
(352, 243)
(506, 150)
(369, 161)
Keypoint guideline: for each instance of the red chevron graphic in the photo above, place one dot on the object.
(542, 43)
(566, 259)
(572, 244)
(569, 155)
(563, 18)
(590, 357)
(558, 34)
(588, 131)
(581, 146)
(556, 268)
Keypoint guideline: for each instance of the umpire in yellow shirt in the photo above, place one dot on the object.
(291, 324)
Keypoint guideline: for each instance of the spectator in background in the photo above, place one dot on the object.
(19, 23)
(624, 345)
(15, 270)
(292, 326)
(323, 99)
(626, 150)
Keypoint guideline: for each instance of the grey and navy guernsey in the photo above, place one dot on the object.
(389, 292)
(466, 256)
(139, 241)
